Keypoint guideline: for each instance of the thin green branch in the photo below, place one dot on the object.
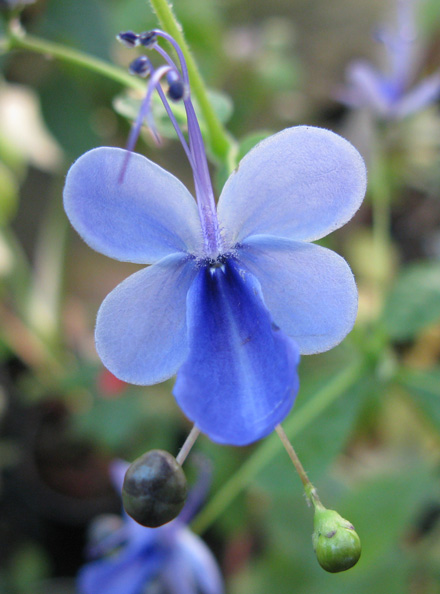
(17, 39)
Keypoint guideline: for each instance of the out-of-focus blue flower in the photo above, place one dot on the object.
(235, 292)
(392, 94)
(136, 560)
(14, 4)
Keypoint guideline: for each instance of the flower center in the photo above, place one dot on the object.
(214, 264)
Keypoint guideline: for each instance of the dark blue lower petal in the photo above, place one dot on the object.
(240, 378)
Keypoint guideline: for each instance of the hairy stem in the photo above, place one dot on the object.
(17, 39)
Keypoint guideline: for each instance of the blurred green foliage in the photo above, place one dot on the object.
(372, 452)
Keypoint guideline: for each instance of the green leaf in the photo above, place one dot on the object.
(414, 302)
(84, 24)
(383, 508)
(128, 106)
(424, 387)
(8, 196)
(248, 142)
(73, 131)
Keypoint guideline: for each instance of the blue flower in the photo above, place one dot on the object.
(233, 293)
(392, 95)
(14, 4)
(135, 559)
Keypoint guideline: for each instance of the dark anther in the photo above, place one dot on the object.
(128, 38)
(140, 66)
(154, 489)
(219, 261)
(148, 39)
(176, 88)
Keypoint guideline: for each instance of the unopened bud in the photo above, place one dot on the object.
(336, 543)
(154, 489)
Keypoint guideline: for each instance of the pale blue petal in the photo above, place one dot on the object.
(177, 578)
(117, 470)
(422, 95)
(141, 325)
(126, 573)
(301, 183)
(240, 378)
(194, 553)
(309, 290)
(143, 218)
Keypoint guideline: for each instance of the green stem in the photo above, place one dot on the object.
(270, 447)
(218, 139)
(18, 39)
(309, 489)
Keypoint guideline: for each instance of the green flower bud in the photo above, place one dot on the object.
(337, 545)
(154, 489)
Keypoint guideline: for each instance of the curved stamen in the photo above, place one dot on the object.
(176, 47)
(179, 133)
(176, 126)
(204, 191)
(196, 150)
(144, 112)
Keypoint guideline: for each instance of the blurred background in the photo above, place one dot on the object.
(373, 452)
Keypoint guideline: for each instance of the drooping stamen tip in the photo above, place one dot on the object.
(148, 38)
(176, 86)
(140, 67)
(128, 38)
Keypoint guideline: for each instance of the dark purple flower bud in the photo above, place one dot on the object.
(176, 89)
(140, 66)
(128, 38)
(148, 39)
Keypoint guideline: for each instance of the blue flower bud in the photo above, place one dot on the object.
(336, 544)
(140, 66)
(128, 38)
(154, 489)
